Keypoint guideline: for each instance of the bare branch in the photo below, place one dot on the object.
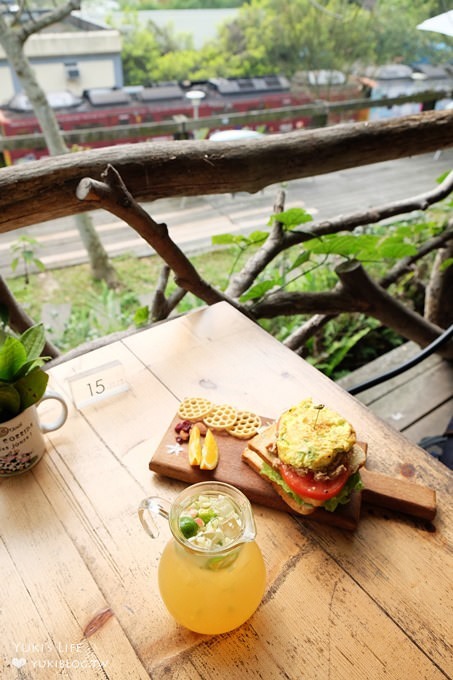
(112, 195)
(439, 298)
(37, 24)
(162, 306)
(387, 309)
(297, 339)
(195, 168)
(18, 319)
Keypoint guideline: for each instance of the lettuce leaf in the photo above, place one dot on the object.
(274, 476)
(354, 483)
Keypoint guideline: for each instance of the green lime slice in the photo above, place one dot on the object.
(188, 527)
(206, 514)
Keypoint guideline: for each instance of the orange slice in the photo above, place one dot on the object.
(194, 446)
(209, 452)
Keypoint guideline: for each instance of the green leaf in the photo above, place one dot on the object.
(291, 218)
(362, 246)
(12, 356)
(33, 340)
(223, 239)
(31, 387)
(300, 260)
(230, 239)
(257, 291)
(393, 248)
(141, 316)
(341, 244)
(443, 176)
(339, 349)
(9, 402)
(30, 366)
(39, 265)
(446, 263)
(257, 237)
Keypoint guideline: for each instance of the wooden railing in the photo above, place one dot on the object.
(66, 185)
(46, 189)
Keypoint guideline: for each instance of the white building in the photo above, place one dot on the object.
(74, 55)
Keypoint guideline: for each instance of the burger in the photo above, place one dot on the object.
(310, 456)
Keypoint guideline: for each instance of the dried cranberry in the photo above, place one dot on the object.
(179, 440)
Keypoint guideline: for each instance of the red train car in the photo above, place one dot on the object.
(159, 103)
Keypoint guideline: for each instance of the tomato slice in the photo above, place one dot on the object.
(308, 487)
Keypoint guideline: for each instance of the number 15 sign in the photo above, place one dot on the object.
(98, 383)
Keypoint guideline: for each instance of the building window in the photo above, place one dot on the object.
(72, 70)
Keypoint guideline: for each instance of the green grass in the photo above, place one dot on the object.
(96, 311)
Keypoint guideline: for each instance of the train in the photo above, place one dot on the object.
(158, 103)
(165, 102)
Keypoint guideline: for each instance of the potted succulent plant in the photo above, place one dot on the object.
(22, 380)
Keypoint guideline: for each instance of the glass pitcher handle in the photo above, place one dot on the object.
(148, 509)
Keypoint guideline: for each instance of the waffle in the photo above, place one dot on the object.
(222, 417)
(245, 426)
(194, 408)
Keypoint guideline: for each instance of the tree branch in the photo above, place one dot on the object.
(35, 25)
(297, 339)
(195, 168)
(387, 309)
(112, 195)
(18, 320)
(309, 328)
(162, 306)
(241, 281)
(350, 222)
(438, 297)
(279, 241)
(403, 265)
(356, 293)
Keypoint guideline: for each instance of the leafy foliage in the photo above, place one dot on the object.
(285, 36)
(24, 251)
(22, 381)
(104, 311)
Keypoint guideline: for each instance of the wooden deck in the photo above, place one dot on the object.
(418, 403)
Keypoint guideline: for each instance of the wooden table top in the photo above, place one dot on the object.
(79, 595)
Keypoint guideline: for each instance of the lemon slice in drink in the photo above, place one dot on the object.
(209, 452)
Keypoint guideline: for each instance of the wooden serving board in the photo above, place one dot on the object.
(397, 494)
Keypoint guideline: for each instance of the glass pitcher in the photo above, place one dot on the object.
(211, 574)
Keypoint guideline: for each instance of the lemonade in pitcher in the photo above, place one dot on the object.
(211, 574)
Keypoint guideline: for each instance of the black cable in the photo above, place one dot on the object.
(430, 349)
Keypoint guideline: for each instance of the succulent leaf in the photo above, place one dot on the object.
(9, 401)
(31, 387)
(33, 340)
(12, 357)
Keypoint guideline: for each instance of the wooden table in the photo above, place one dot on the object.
(376, 603)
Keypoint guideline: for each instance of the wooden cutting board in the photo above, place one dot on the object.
(172, 461)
